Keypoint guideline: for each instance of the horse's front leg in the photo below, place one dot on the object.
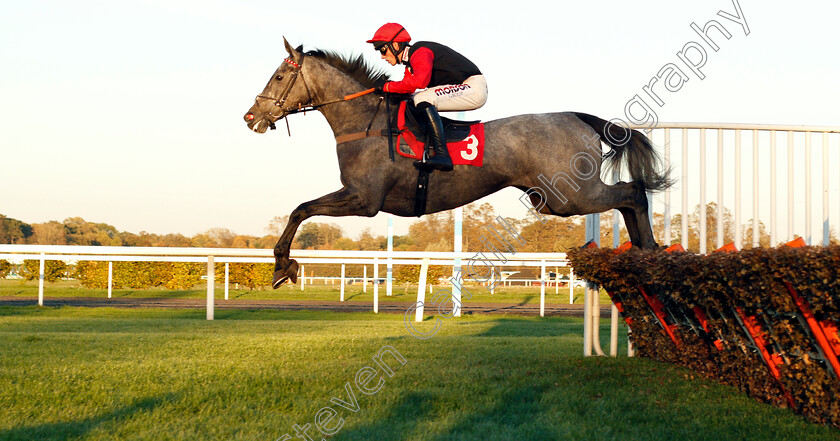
(344, 202)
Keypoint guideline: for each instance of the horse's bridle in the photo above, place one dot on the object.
(279, 102)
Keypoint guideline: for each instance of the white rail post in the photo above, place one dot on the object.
(719, 238)
(342, 282)
(702, 173)
(390, 265)
(542, 288)
(587, 323)
(774, 237)
(591, 321)
(684, 202)
(227, 279)
(614, 331)
(756, 232)
(667, 211)
(456, 267)
(738, 236)
(595, 309)
(364, 278)
(571, 285)
(41, 282)
(590, 305)
(302, 276)
(826, 229)
(110, 277)
(375, 285)
(421, 290)
(211, 286)
(808, 188)
(790, 185)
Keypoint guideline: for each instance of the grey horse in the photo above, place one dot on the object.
(555, 158)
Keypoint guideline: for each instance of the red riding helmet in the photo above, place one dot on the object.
(390, 33)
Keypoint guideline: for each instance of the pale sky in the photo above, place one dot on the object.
(130, 112)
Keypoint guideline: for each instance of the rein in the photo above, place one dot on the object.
(344, 98)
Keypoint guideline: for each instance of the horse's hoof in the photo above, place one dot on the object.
(282, 275)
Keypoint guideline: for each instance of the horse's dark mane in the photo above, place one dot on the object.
(353, 65)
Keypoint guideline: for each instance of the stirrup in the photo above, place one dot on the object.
(444, 167)
(424, 166)
(429, 164)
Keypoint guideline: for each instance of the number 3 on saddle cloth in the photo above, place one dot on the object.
(464, 139)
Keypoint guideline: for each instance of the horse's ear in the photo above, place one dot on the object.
(289, 47)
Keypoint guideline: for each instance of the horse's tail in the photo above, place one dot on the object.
(643, 162)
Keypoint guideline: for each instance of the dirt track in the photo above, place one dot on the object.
(296, 305)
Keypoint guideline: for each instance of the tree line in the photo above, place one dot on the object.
(434, 232)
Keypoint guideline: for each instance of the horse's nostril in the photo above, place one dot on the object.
(249, 117)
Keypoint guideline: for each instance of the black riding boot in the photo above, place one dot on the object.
(441, 160)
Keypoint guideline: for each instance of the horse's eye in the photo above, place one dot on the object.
(279, 78)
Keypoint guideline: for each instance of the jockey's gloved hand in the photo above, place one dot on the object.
(379, 85)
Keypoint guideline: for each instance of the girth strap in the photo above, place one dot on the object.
(422, 191)
(360, 135)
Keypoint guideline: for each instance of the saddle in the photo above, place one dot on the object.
(464, 139)
(412, 119)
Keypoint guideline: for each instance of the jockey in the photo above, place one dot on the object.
(451, 81)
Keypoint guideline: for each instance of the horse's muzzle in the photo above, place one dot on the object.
(258, 125)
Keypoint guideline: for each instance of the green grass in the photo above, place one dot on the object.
(354, 293)
(149, 374)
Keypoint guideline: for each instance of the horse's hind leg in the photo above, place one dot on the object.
(628, 197)
(631, 223)
(635, 213)
(344, 202)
